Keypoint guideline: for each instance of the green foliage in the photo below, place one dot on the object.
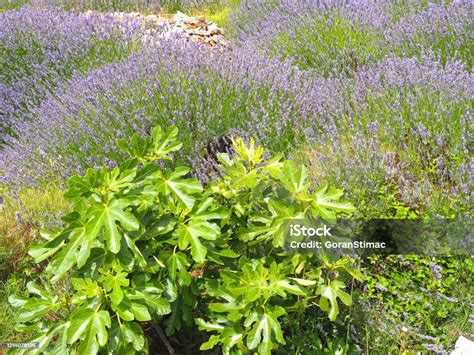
(8, 314)
(144, 244)
(414, 300)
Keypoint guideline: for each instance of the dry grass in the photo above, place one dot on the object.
(16, 238)
(21, 217)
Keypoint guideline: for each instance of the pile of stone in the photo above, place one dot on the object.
(196, 28)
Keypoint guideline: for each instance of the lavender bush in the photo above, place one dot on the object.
(329, 36)
(338, 37)
(205, 94)
(444, 29)
(405, 69)
(41, 48)
(407, 128)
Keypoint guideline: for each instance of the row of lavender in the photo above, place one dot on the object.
(42, 48)
(396, 123)
(335, 37)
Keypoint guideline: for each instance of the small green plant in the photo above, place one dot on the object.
(144, 244)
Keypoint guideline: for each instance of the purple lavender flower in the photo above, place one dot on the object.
(437, 349)
(450, 299)
(427, 337)
(436, 271)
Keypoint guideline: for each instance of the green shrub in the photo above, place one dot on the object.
(144, 244)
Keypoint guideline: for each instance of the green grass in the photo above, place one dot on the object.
(12, 4)
(16, 283)
(219, 12)
(37, 208)
(20, 219)
(164, 7)
(395, 320)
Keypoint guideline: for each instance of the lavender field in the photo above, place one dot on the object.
(370, 102)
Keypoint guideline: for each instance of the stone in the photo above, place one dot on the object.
(214, 30)
(180, 17)
(463, 346)
(196, 28)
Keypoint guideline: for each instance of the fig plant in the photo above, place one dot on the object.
(145, 244)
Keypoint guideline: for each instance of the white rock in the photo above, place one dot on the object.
(180, 26)
(213, 29)
(180, 17)
(463, 346)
